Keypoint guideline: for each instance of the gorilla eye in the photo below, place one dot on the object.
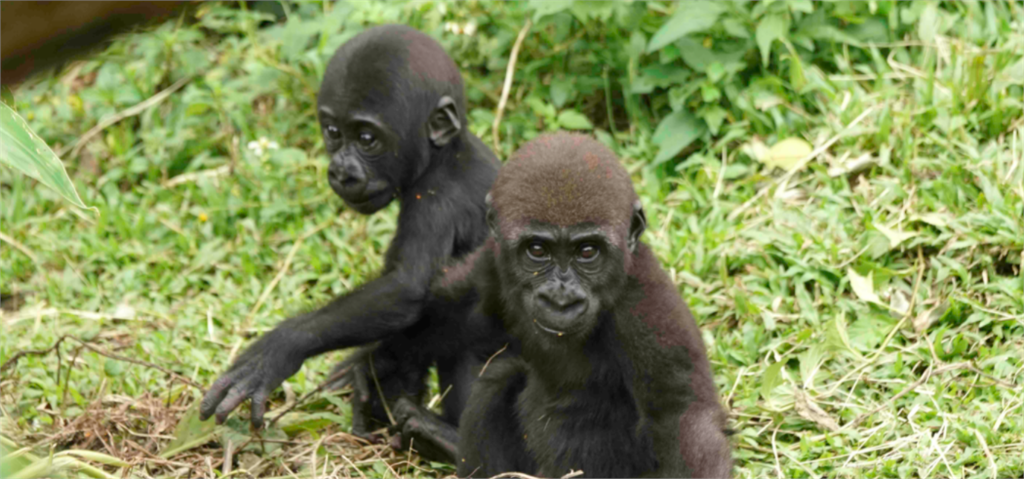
(367, 140)
(537, 252)
(588, 252)
(333, 132)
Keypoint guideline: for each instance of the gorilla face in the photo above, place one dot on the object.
(560, 278)
(362, 150)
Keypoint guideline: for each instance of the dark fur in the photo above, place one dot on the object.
(392, 81)
(632, 395)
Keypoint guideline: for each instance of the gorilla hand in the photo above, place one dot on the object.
(254, 375)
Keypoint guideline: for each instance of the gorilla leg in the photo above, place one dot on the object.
(425, 432)
(381, 367)
(703, 445)
(456, 376)
(491, 440)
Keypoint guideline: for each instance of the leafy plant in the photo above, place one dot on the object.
(24, 151)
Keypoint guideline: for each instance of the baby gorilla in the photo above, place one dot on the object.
(393, 116)
(613, 378)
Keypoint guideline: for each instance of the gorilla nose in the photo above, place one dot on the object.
(562, 304)
(347, 178)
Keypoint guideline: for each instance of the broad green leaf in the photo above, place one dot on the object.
(771, 378)
(867, 332)
(810, 362)
(895, 237)
(700, 58)
(785, 154)
(113, 368)
(544, 8)
(715, 71)
(773, 27)
(690, 17)
(837, 336)
(299, 421)
(541, 108)
(992, 194)
(190, 433)
(863, 286)
(294, 37)
(24, 151)
(713, 115)
(561, 91)
(804, 6)
(574, 120)
(927, 25)
(756, 150)
(828, 33)
(602, 11)
(637, 42)
(676, 132)
(796, 69)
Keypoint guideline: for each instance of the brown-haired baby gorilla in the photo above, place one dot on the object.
(613, 378)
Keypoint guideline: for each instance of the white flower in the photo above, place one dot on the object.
(262, 145)
(467, 29)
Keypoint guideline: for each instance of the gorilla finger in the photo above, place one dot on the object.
(361, 384)
(340, 382)
(258, 407)
(214, 396)
(396, 442)
(238, 394)
(404, 409)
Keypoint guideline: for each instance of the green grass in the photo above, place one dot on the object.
(864, 323)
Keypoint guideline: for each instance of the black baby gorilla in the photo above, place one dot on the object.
(393, 115)
(612, 378)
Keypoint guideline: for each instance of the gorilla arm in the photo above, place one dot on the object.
(372, 312)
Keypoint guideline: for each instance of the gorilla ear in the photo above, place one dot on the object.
(636, 226)
(444, 122)
(492, 220)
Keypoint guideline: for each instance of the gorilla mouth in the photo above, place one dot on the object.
(556, 332)
(370, 196)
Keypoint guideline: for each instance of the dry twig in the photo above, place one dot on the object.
(509, 74)
(31, 352)
(519, 475)
(488, 363)
(20, 354)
